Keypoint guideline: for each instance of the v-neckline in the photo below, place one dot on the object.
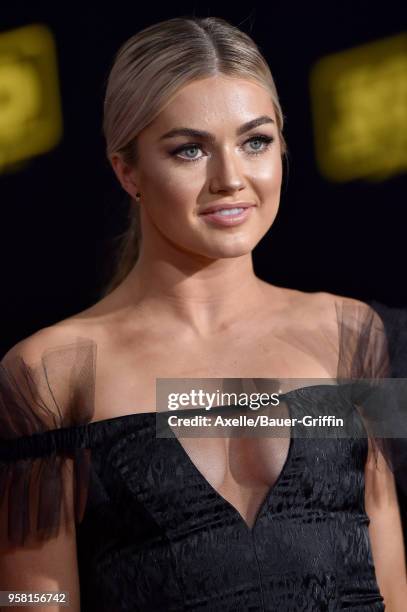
(220, 498)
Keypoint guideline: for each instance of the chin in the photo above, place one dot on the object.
(232, 251)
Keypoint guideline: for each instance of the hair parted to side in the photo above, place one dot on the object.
(148, 70)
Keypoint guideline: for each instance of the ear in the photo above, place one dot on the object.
(125, 174)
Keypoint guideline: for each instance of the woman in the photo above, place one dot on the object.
(128, 520)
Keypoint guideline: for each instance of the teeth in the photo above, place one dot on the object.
(229, 211)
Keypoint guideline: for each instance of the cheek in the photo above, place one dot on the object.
(268, 177)
(174, 185)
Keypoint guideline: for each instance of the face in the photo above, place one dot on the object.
(179, 175)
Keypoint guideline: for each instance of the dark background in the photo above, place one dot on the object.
(60, 211)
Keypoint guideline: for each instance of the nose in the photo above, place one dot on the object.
(226, 174)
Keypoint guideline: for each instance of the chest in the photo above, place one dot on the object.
(127, 376)
(240, 469)
(276, 475)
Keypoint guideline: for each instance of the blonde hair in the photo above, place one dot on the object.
(148, 70)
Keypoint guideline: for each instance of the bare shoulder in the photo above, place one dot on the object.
(330, 313)
(318, 306)
(352, 312)
(323, 306)
(33, 347)
(53, 368)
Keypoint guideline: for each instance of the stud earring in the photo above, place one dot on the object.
(138, 197)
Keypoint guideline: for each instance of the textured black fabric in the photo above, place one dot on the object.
(152, 533)
(395, 323)
(171, 542)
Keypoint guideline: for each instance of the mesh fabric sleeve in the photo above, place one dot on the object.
(365, 370)
(44, 462)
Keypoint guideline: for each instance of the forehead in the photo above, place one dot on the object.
(215, 100)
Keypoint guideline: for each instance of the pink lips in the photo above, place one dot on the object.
(215, 218)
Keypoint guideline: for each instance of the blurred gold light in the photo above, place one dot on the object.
(30, 107)
(359, 107)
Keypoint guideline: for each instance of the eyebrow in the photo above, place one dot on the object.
(190, 132)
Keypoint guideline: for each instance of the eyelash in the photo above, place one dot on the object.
(267, 140)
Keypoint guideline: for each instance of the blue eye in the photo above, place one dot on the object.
(189, 148)
(264, 139)
(186, 147)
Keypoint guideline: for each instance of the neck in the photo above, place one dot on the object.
(204, 295)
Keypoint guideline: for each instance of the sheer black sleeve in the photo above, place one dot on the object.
(44, 465)
(365, 369)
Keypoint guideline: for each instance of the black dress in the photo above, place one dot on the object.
(395, 324)
(152, 533)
